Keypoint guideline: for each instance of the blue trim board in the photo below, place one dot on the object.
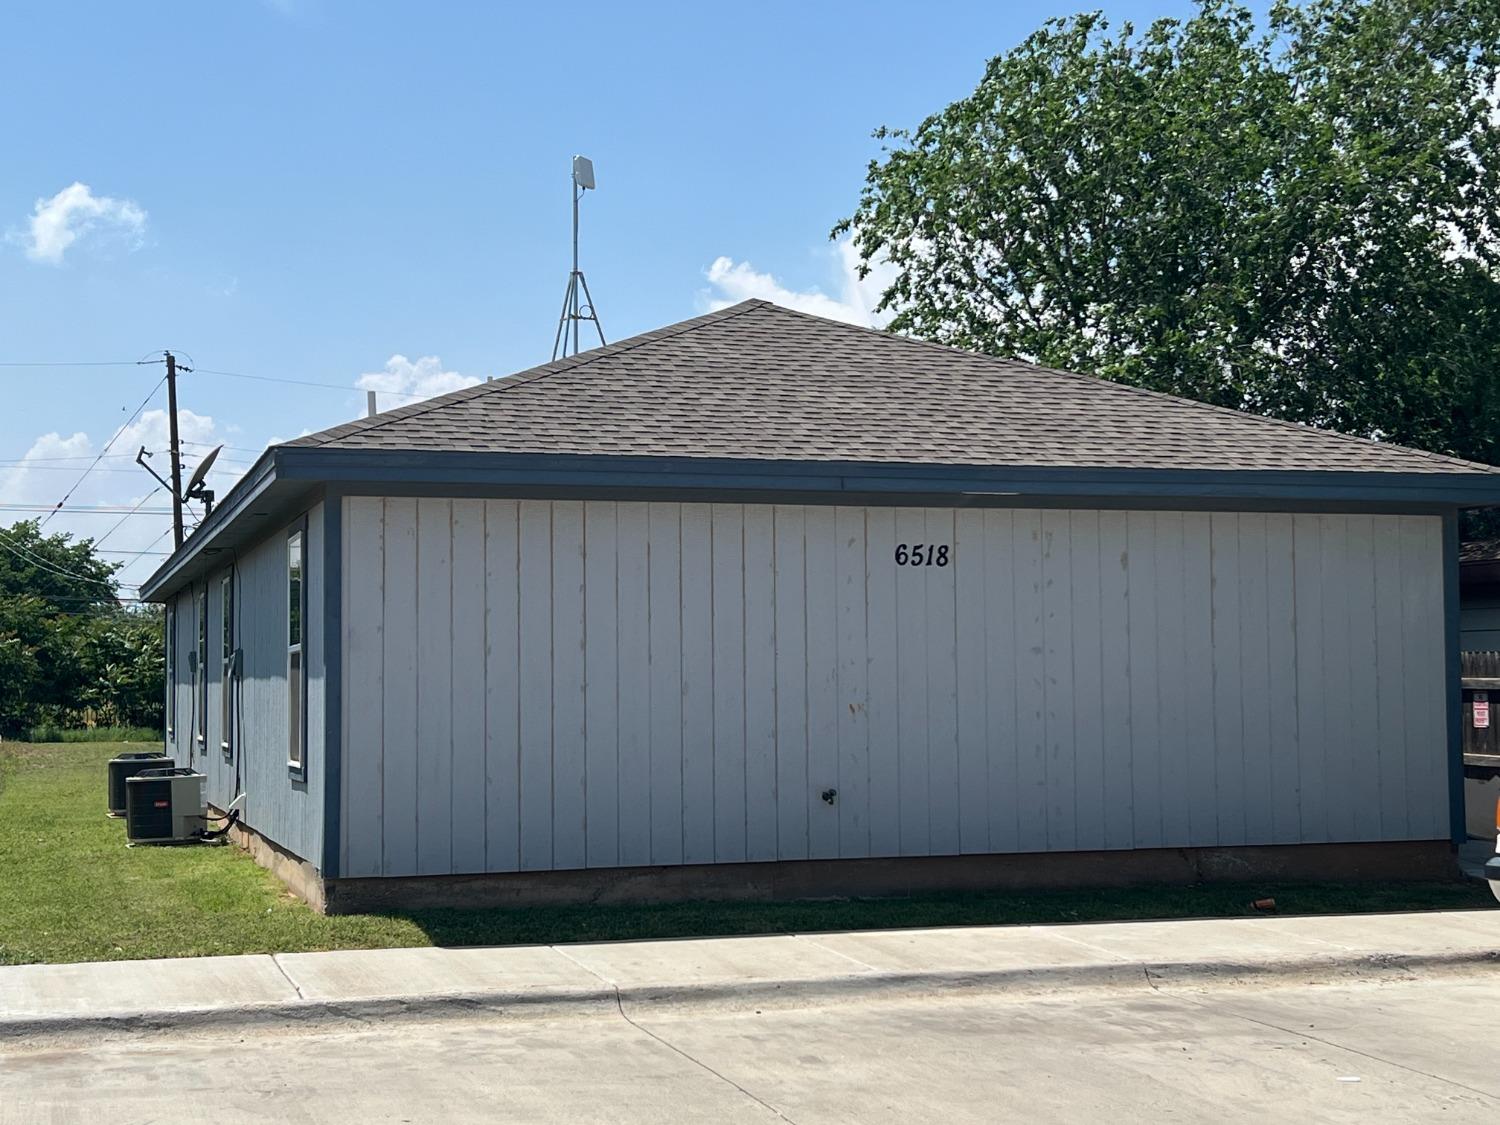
(881, 499)
(1453, 684)
(285, 475)
(333, 680)
(453, 467)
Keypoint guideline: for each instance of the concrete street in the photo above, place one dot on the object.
(1360, 1018)
(1421, 1049)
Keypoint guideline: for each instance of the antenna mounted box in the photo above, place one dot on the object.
(583, 172)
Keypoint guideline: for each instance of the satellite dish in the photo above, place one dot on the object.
(583, 172)
(196, 481)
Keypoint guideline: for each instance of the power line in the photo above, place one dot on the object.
(6, 466)
(302, 382)
(238, 448)
(146, 551)
(43, 564)
(74, 363)
(108, 445)
(123, 518)
(229, 374)
(48, 564)
(37, 462)
(99, 510)
(100, 601)
(72, 457)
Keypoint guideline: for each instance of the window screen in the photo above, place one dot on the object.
(200, 710)
(296, 730)
(226, 664)
(171, 671)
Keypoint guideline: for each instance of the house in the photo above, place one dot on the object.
(1479, 595)
(760, 604)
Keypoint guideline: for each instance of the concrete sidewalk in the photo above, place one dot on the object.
(769, 970)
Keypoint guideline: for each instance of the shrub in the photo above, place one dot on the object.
(49, 732)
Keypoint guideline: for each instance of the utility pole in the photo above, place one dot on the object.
(175, 452)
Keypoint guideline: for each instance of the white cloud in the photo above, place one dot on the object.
(733, 282)
(410, 380)
(59, 222)
(54, 464)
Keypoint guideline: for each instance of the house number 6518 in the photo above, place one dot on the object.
(922, 554)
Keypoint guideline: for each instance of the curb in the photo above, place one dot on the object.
(747, 995)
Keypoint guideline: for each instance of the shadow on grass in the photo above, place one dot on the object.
(72, 891)
(561, 924)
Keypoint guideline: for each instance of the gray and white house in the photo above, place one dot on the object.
(760, 604)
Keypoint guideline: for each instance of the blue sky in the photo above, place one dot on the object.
(306, 189)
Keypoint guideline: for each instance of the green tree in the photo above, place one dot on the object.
(126, 685)
(66, 643)
(1300, 220)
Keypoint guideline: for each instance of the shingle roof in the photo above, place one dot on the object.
(762, 382)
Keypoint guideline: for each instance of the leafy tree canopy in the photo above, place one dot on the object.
(68, 649)
(1300, 219)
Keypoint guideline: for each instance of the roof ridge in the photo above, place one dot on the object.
(528, 375)
(1147, 391)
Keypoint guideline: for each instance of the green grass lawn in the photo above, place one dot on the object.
(70, 890)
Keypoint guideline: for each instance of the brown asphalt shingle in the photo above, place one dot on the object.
(762, 382)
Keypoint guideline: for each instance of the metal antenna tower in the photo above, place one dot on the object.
(578, 302)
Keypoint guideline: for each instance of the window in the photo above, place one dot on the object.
(171, 671)
(227, 664)
(295, 670)
(200, 672)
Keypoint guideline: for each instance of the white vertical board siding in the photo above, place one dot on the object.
(569, 767)
(435, 638)
(632, 613)
(665, 644)
(502, 684)
(760, 682)
(467, 776)
(364, 732)
(612, 684)
(397, 702)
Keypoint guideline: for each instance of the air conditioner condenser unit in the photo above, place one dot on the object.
(164, 806)
(127, 766)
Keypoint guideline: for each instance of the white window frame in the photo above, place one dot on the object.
(227, 661)
(200, 672)
(296, 660)
(171, 646)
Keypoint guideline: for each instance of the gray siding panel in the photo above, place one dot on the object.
(669, 683)
(435, 703)
(502, 686)
(1243, 785)
(285, 808)
(363, 779)
(1114, 706)
(1283, 750)
(397, 702)
(469, 765)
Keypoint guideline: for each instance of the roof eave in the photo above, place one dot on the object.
(246, 491)
(362, 468)
(291, 469)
